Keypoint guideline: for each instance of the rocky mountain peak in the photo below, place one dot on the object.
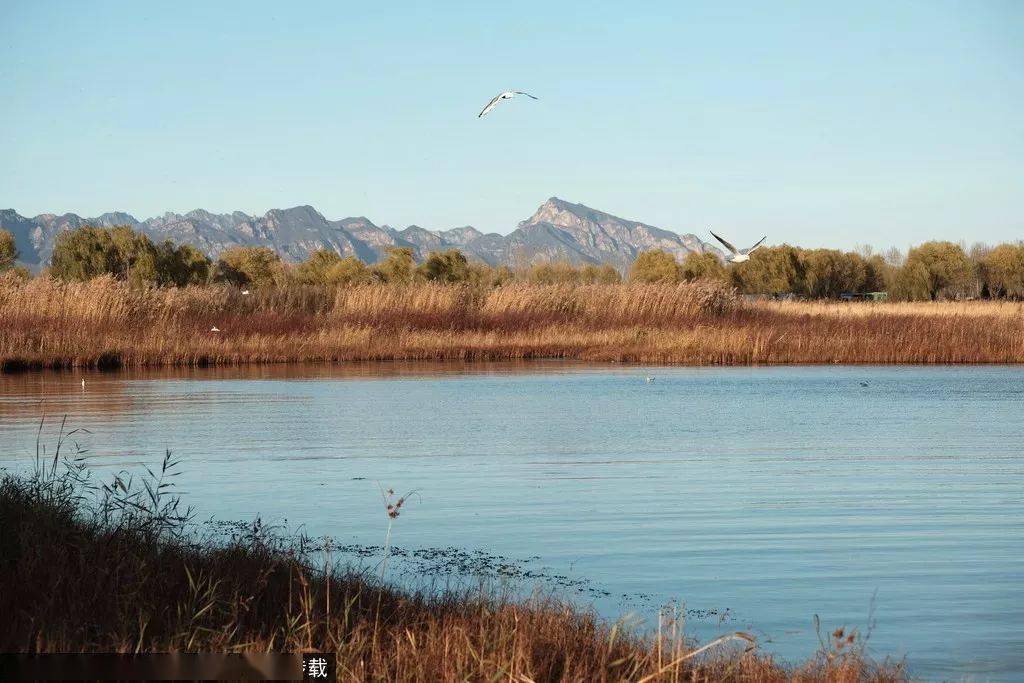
(305, 212)
(460, 236)
(113, 218)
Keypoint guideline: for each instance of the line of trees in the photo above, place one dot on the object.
(811, 273)
(89, 251)
(930, 271)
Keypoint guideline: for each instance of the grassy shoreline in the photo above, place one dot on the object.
(118, 572)
(107, 323)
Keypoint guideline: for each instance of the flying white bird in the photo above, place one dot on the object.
(245, 292)
(507, 95)
(214, 329)
(738, 255)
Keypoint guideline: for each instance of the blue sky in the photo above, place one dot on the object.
(822, 124)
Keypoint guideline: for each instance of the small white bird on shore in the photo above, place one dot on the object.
(507, 95)
(83, 384)
(738, 255)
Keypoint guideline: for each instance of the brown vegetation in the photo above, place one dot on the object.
(104, 321)
(124, 571)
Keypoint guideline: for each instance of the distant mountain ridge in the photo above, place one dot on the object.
(557, 231)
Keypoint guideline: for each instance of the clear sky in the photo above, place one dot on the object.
(818, 123)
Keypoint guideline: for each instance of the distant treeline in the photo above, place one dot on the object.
(930, 271)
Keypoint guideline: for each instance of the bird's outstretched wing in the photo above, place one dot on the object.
(747, 251)
(490, 105)
(520, 92)
(727, 245)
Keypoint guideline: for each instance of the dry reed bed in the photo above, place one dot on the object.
(103, 322)
(87, 582)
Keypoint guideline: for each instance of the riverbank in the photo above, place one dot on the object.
(106, 323)
(122, 575)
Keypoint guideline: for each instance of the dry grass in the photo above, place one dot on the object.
(44, 323)
(123, 577)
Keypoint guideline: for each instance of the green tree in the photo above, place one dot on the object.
(181, 265)
(349, 271)
(876, 273)
(910, 283)
(8, 250)
(553, 273)
(135, 255)
(398, 267)
(944, 267)
(827, 273)
(770, 270)
(90, 251)
(656, 265)
(314, 270)
(196, 266)
(82, 254)
(446, 266)
(1002, 271)
(704, 266)
(604, 274)
(250, 266)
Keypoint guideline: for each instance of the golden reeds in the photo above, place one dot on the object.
(46, 323)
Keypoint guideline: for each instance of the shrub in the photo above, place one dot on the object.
(704, 266)
(313, 271)
(656, 265)
(181, 265)
(600, 275)
(89, 251)
(446, 266)
(349, 271)
(564, 273)
(398, 267)
(250, 266)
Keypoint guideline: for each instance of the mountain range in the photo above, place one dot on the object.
(557, 231)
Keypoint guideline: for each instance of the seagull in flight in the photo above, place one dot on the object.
(738, 255)
(507, 95)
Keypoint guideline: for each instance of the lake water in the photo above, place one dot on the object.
(759, 496)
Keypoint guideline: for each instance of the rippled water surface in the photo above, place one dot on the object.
(759, 496)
